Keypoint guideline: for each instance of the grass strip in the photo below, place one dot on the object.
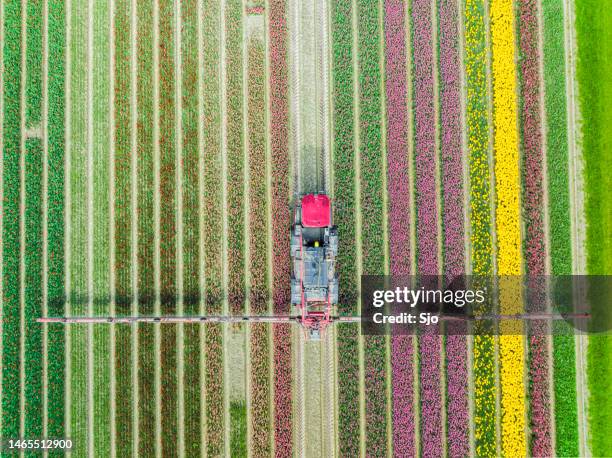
(146, 238)
(55, 215)
(168, 227)
(235, 156)
(10, 220)
(191, 230)
(593, 68)
(480, 220)
(101, 166)
(123, 216)
(33, 225)
(371, 156)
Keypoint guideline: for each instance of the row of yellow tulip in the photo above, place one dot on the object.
(507, 181)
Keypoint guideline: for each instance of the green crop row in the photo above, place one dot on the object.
(594, 39)
(344, 154)
(123, 411)
(191, 179)
(33, 382)
(235, 157)
(344, 218)
(168, 163)
(192, 384)
(564, 356)
(214, 389)
(371, 158)
(213, 227)
(238, 445)
(101, 229)
(257, 176)
(169, 391)
(55, 221)
(123, 390)
(260, 440)
(122, 159)
(191, 232)
(33, 289)
(146, 230)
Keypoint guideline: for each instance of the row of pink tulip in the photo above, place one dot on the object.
(281, 222)
(430, 344)
(399, 221)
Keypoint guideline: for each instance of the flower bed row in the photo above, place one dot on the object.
(457, 409)
(281, 222)
(55, 218)
(480, 219)
(32, 340)
(507, 217)
(146, 230)
(213, 229)
(122, 204)
(168, 224)
(371, 158)
(191, 227)
(399, 221)
(564, 357)
(235, 157)
(533, 201)
(10, 220)
(258, 296)
(426, 217)
(79, 219)
(344, 218)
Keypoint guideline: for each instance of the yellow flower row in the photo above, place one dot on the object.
(480, 219)
(511, 354)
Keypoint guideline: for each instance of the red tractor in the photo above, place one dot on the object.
(314, 247)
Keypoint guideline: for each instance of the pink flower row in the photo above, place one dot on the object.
(281, 222)
(399, 222)
(452, 188)
(430, 346)
(533, 214)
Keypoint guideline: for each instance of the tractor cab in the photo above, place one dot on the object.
(314, 247)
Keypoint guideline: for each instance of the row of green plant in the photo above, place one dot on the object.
(344, 218)
(122, 203)
(555, 105)
(235, 156)
(372, 172)
(55, 218)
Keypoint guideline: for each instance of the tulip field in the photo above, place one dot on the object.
(151, 154)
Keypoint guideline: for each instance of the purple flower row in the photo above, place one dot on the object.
(534, 225)
(427, 219)
(454, 253)
(399, 222)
